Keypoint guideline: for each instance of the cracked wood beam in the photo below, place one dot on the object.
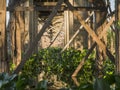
(38, 37)
(92, 47)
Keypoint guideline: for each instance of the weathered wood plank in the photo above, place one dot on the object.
(3, 41)
(68, 24)
(18, 37)
(117, 36)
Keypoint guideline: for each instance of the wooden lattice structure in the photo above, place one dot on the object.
(25, 36)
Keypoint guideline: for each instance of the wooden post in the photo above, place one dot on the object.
(81, 41)
(18, 37)
(99, 53)
(117, 34)
(3, 41)
(33, 30)
(25, 32)
(68, 20)
(16, 27)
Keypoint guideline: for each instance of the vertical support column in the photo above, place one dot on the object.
(16, 27)
(117, 34)
(33, 26)
(25, 35)
(99, 25)
(18, 37)
(12, 35)
(81, 41)
(68, 19)
(3, 44)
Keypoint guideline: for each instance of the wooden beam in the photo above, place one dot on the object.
(46, 3)
(3, 34)
(68, 24)
(117, 36)
(20, 8)
(18, 37)
(49, 8)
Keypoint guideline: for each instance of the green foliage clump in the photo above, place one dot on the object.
(19, 82)
(51, 61)
(61, 64)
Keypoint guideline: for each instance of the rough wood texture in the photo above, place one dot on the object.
(117, 4)
(68, 19)
(3, 41)
(18, 37)
(100, 18)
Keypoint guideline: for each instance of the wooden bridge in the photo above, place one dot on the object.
(31, 19)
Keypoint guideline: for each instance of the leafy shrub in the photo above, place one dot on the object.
(7, 82)
(18, 82)
(61, 64)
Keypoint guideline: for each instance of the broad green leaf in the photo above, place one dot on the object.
(86, 87)
(42, 85)
(100, 84)
(117, 78)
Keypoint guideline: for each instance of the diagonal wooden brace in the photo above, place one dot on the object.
(38, 37)
(91, 49)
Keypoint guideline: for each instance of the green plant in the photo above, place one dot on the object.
(12, 67)
(7, 82)
(52, 62)
(42, 85)
(118, 24)
(61, 64)
(110, 82)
